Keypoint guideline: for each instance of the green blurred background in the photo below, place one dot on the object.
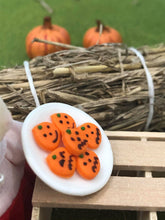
(140, 22)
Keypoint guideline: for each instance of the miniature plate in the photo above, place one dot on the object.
(35, 156)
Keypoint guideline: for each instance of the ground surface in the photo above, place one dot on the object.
(139, 22)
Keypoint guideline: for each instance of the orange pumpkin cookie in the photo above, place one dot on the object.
(75, 141)
(61, 162)
(46, 135)
(92, 134)
(88, 164)
(63, 121)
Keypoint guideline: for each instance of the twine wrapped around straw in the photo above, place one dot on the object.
(111, 88)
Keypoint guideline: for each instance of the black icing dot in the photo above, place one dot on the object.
(50, 133)
(94, 168)
(86, 153)
(45, 135)
(76, 132)
(72, 139)
(66, 116)
(62, 154)
(48, 126)
(89, 160)
(87, 135)
(61, 121)
(78, 138)
(88, 126)
(92, 132)
(61, 162)
(67, 122)
(85, 163)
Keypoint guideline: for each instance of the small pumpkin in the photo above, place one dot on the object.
(108, 35)
(47, 31)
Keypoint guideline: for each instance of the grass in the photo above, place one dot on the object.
(139, 22)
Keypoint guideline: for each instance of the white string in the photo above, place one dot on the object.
(31, 84)
(150, 87)
(149, 81)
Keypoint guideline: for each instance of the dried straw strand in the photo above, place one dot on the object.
(106, 81)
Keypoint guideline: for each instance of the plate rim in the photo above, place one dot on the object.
(37, 172)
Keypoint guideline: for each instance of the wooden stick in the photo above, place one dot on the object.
(65, 97)
(91, 80)
(82, 69)
(67, 46)
(45, 6)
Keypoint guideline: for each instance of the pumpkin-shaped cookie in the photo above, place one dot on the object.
(75, 141)
(46, 135)
(92, 134)
(61, 162)
(88, 164)
(63, 121)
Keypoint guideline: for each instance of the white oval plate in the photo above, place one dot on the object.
(35, 156)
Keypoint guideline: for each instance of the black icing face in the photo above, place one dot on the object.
(88, 164)
(75, 141)
(49, 133)
(92, 134)
(46, 135)
(62, 162)
(91, 161)
(63, 121)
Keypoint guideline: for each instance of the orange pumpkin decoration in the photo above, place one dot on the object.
(47, 31)
(108, 35)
